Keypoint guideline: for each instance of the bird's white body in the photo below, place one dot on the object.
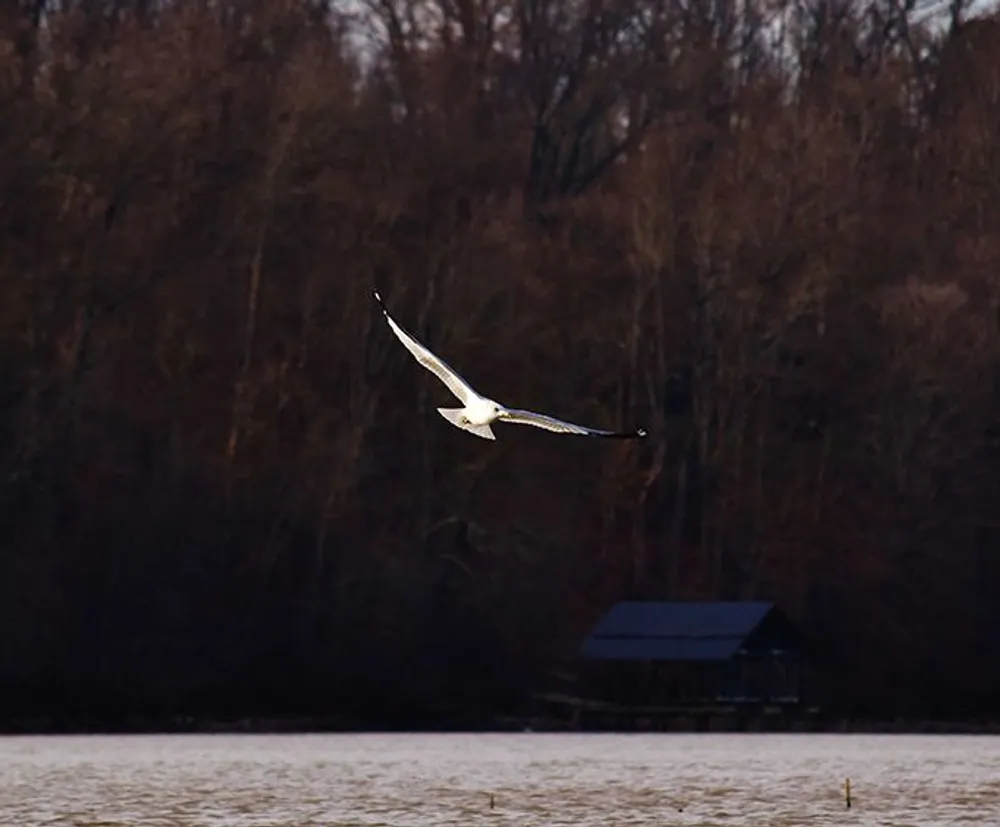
(479, 412)
(476, 417)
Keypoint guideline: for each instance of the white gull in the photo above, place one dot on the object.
(479, 412)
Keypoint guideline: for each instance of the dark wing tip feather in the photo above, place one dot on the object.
(638, 433)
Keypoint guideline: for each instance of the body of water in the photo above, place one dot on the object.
(594, 780)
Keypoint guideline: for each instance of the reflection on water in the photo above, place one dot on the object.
(400, 780)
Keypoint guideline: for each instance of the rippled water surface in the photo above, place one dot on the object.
(312, 780)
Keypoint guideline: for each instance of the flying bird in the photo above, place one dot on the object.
(479, 412)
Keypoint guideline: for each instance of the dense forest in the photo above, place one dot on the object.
(766, 232)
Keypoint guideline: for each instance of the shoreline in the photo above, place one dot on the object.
(179, 725)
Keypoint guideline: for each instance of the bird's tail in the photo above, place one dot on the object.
(454, 416)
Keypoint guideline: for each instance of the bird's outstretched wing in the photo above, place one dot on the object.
(439, 367)
(549, 423)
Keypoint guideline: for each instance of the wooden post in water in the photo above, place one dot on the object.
(847, 793)
(493, 801)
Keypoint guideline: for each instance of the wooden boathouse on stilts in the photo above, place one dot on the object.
(690, 665)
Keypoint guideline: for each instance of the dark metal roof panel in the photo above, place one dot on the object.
(681, 619)
(678, 649)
